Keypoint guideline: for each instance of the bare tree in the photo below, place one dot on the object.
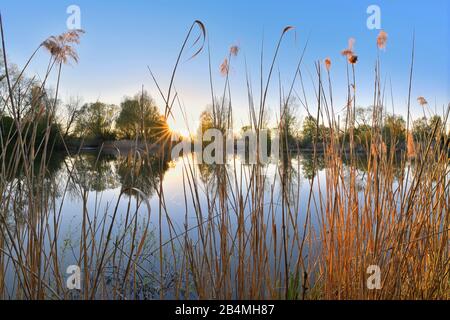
(71, 112)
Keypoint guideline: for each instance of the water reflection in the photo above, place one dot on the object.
(87, 174)
(93, 172)
(100, 172)
(144, 174)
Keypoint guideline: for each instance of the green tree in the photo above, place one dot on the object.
(423, 128)
(393, 131)
(96, 120)
(206, 122)
(363, 135)
(309, 130)
(420, 129)
(139, 117)
(289, 124)
(436, 121)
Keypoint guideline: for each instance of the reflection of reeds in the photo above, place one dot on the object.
(31, 265)
(401, 223)
(253, 235)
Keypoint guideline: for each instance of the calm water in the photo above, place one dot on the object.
(102, 185)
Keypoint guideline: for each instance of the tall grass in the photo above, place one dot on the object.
(255, 234)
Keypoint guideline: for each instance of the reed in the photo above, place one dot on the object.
(255, 235)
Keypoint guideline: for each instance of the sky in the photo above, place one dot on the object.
(123, 38)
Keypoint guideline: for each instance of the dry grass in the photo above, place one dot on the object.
(254, 236)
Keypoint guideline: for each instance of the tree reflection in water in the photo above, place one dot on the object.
(94, 172)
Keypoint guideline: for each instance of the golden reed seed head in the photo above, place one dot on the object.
(353, 59)
(224, 67)
(234, 50)
(351, 56)
(382, 39)
(422, 101)
(327, 64)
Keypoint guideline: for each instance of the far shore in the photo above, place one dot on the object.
(125, 147)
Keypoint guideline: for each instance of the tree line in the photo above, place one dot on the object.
(307, 133)
(136, 117)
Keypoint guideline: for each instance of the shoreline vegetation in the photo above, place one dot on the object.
(244, 234)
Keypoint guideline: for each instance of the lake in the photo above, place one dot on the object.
(134, 222)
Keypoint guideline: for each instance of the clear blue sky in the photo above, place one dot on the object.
(123, 37)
